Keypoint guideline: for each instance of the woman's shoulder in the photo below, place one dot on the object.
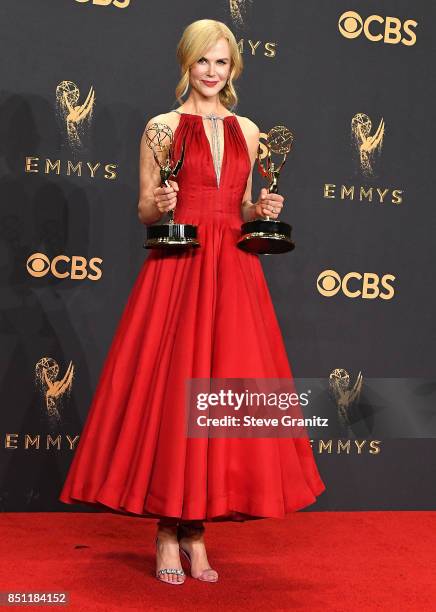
(250, 131)
(170, 118)
(248, 124)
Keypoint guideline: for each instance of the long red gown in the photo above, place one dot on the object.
(205, 312)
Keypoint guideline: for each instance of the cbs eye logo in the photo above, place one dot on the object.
(62, 266)
(376, 28)
(354, 284)
(117, 3)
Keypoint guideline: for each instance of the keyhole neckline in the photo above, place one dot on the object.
(208, 144)
(204, 116)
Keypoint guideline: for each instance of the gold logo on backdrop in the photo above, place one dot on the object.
(367, 146)
(252, 46)
(345, 396)
(238, 9)
(363, 193)
(53, 390)
(75, 117)
(33, 164)
(63, 266)
(350, 24)
(38, 441)
(376, 28)
(348, 447)
(355, 285)
(117, 3)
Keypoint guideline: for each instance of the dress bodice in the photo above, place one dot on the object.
(206, 191)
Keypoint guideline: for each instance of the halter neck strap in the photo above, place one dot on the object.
(210, 116)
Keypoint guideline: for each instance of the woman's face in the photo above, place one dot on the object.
(210, 72)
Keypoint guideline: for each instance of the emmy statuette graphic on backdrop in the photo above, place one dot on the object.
(346, 395)
(269, 236)
(171, 235)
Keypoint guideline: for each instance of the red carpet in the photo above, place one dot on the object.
(309, 561)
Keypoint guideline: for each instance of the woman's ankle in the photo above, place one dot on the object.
(191, 529)
(167, 527)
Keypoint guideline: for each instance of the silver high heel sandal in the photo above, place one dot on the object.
(170, 570)
(207, 575)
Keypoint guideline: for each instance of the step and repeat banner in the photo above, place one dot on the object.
(353, 83)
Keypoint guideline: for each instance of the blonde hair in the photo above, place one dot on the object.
(195, 41)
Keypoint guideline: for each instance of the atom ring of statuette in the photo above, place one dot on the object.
(279, 140)
(159, 138)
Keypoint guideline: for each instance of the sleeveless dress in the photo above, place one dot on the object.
(204, 312)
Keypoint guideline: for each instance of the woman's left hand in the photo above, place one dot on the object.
(269, 204)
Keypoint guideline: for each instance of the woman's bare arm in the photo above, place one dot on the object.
(268, 204)
(251, 133)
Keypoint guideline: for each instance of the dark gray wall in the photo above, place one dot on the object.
(314, 84)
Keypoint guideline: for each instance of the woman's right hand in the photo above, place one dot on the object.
(165, 198)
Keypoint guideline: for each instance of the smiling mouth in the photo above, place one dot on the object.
(209, 82)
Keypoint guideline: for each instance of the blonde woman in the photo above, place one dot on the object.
(199, 313)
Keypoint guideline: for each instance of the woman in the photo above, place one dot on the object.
(182, 321)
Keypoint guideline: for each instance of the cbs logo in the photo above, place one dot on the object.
(388, 29)
(117, 3)
(354, 284)
(62, 266)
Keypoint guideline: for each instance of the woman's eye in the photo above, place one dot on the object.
(203, 59)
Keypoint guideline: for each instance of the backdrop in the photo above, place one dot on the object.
(354, 84)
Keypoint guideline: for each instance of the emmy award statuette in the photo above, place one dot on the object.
(171, 235)
(269, 236)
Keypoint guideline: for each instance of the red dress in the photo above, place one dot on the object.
(205, 312)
